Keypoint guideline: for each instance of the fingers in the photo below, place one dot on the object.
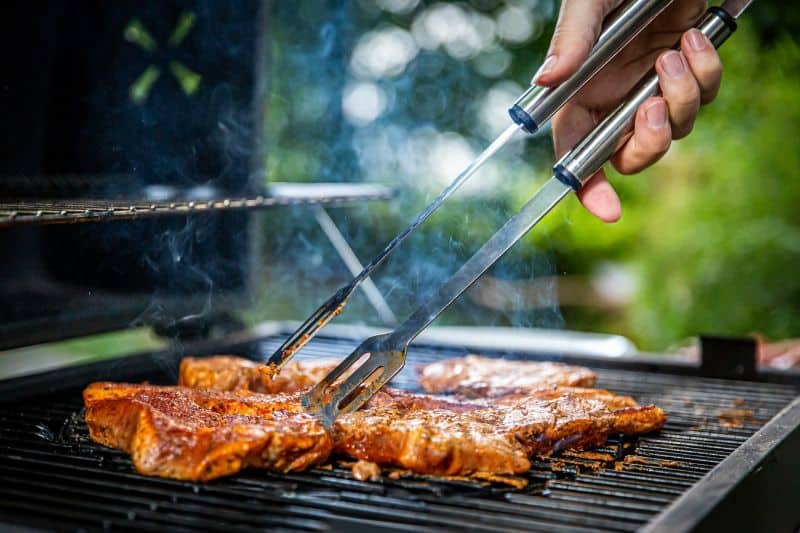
(600, 198)
(688, 79)
(704, 62)
(570, 125)
(597, 196)
(579, 24)
(680, 90)
(652, 136)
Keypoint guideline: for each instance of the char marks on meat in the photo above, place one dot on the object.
(198, 435)
(228, 373)
(474, 376)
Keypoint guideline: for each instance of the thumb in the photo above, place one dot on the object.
(578, 27)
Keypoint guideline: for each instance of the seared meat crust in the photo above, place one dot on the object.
(447, 437)
(198, 435)
(475, 376)
(228, 373)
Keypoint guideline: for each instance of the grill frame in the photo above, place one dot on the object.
(692, 508)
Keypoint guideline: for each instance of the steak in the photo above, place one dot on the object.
(228, 373)
(198, 435)
(440, 436)
(474, 376)
(195, 433)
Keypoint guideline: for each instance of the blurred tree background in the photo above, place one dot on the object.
(407, 92)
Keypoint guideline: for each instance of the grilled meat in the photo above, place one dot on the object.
(191, 433)
(438, 436)
(474, 376)
(199, 435)
(228, 373)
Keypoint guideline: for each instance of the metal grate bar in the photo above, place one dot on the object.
(58, 211)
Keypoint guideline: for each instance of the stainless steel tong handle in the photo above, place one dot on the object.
(537, 105)
(591, 153)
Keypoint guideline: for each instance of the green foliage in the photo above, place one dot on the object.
(710, 235)
(713, 231)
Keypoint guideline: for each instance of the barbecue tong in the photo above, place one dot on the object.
(532, 111)
(378, 359)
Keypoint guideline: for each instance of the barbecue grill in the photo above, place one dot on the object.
(94, 234)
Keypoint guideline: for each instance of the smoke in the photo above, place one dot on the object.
(411, 93)
(172, 258)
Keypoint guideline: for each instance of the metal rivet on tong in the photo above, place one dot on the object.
(152, 207)
(260, 199)
(12, 215)
(39, 213)
(190, 205)
(63, 213)
(132, 209)
(226, 202)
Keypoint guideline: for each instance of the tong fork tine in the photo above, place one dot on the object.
(329, 398)
(318, 320)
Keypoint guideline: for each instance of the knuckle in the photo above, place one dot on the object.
(712, 72)
(679, 131)
(684, 94)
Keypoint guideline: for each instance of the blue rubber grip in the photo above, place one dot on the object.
(520, 117)
(566, 177)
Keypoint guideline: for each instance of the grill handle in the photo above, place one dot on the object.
(590, 154)
(537, 105)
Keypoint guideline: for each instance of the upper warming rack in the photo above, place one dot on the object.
(60, 211)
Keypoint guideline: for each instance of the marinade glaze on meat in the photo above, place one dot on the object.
(201, 434)
(474, 376)
(226, 372)
(195, 434)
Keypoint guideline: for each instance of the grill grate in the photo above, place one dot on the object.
(51, 473)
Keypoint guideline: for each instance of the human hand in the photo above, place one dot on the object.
(688, 79)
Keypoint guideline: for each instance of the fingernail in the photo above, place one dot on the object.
(656, 115)
(546, 67)
(673, 64)
(697, 40)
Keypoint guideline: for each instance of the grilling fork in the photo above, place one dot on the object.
(344, 390)
(531, 111)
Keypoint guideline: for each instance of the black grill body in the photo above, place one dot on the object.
(703, 470)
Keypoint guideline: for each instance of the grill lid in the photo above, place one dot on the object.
(145, 116)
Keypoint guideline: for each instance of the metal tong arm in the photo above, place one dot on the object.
(488, 254)
(537, 105)
(591, 153)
